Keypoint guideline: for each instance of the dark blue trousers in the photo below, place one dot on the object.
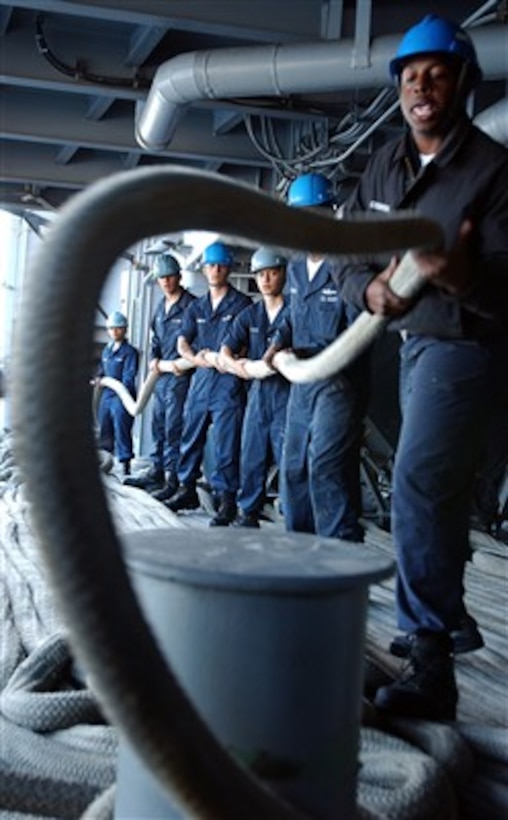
(448, 393)
(227, 425)
(167, 420)
(262, 439)
(320, 484)
(115, 427)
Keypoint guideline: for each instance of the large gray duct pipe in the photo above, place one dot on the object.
(494, 121)
(280, 70)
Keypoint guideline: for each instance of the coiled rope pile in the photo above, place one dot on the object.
(58, 754)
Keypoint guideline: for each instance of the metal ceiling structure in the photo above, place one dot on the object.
(76, 75)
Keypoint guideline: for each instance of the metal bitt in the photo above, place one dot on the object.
(266, 634)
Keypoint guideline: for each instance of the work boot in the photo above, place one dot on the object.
(125, 467)
(226, 511)
(248, 520)
(466, 639)
(185, 498)
(426, 690)
(150, 480)
(169, 489)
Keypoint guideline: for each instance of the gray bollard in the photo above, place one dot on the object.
(266, 633)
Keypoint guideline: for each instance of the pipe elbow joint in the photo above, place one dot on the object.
(156, 122)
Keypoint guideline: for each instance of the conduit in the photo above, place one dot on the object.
(494, 121)
(71, 516)
(281, 70)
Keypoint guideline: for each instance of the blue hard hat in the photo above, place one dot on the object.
(310, 190)
(116, 319)
(437, 35)
(217, 254)
(266, 258)
(165, 265)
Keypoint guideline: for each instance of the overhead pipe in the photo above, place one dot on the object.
(280, 70)
(494, 121)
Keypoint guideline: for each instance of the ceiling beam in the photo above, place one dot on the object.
(21, 65)
(142, 42)
(66, 153)
(39, 166)
(224, 18)
(225, 121)
(98, 107)
(5, 18)
(331, 19)
(37, 118)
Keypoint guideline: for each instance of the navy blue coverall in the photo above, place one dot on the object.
(213, 398)
(115, 423)
(170, 390)
(320, 477)
(454, 362)
(265, 414)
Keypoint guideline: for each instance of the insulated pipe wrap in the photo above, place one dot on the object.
(56, 449)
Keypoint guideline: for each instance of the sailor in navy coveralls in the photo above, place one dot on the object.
(320, 479)
(119, 360)
(251, 335)
(215, 397)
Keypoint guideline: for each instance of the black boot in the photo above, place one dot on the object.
(150, 480)
(247, 520)
(126, 467)
(169, 489)
(185, 498)
(466, 639)
(426, 689)
(226, 511)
